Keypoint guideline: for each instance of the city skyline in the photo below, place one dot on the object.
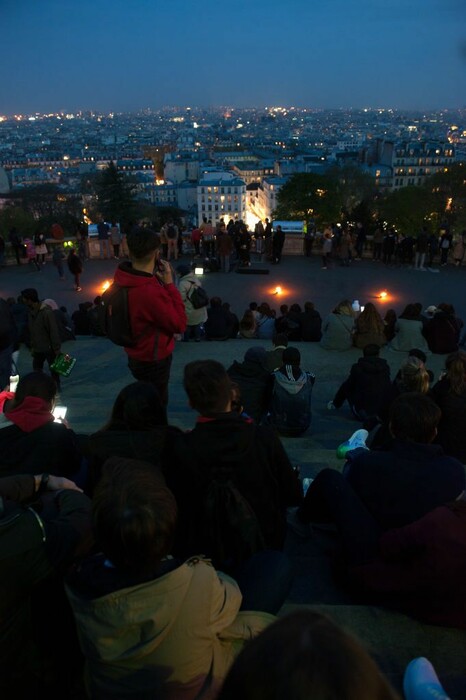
(115, 56)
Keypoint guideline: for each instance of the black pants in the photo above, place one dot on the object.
(330, 499)
(158, 373)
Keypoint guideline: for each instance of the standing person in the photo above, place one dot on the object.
(388, 246)
(208, 239)
(83, 238)
(445, 245)
(344, 248)
(196, 241)
(378, 241)
(75, 266)
(278, 241)
(156, 310)
(115, 237)
(422, 243)
(360, 240)
(16, 244)
(326, 249)
(57, 259)
(309, 240)
(41, 248)
(224, 250)
(194, 317)
(458, 250)
(259, 236)
(103, 232)
(44, 334)
(432, 248)
(171, 232)
(268, 240)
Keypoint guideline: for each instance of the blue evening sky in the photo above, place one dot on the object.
(125, 55)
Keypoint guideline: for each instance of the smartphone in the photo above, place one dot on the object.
(306, 483)
(59, 413)
(14, 379)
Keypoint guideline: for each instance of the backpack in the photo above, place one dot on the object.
(115, 318)
(228, 527)
(197, 296)
(171, 232)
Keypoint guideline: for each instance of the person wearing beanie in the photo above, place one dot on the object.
(290, 410)
(44, 332)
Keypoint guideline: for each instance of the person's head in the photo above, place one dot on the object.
(344, 307)
(415, 352)
(137, 407)
(414, 417)
(295, 308)
(253, 305)
(284, 309)
(370, 317)
(226, 306)
(207, 386)
(390, 317)
(305, 656)
(215, 303)
(39, 385)
(248, 321)
(280, 340)
(265, 309)
(98, 300)
(143, 244)
(455, 365)
(256, 356)
(51, 303)
(291, 356)
(308, 306)
(30, 297)
(448, 309)
(410, 312)
(413, 375)
(133, 515)
(371, 350)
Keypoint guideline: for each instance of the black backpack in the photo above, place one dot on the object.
(115, 318)
(229, 526)
(197, 296)
(171, 232)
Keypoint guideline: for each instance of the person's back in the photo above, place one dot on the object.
(337, 328)
(221, 439)
(217, 325)
(254, 380)
(402, 484)
(311, 324)
(290, 407)
(443, 331)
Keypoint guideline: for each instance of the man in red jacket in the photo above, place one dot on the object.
(155, 307)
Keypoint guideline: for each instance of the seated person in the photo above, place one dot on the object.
(274, 357)
(443, 330)
(369, 328)
(310, 324)
(368, 386)
(151, 626)
(137, 428)
(224, 445)
(337, 329)
(81, 319)
(233, 321)
(402, 484)
(218, 324)
(32, 441)
(409, 331)
(449, 393)
(248, 325)
(291, 659)
(44, 524)
(254, 380)
(290, 407)
(265, 322)
(294, 322)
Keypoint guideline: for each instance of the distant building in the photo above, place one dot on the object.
(221, 195)
(266, 200)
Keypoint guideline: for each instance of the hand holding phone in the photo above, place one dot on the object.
(163, 271)
(59, 413)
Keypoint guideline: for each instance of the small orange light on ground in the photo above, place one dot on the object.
(105, 285)
(383, 295)
(278, 290)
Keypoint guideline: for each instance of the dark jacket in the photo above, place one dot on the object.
(452, 427)
(34, 546)
(290, 408)
(310, 323)
(255, 383)
(218, 324)
(75, 265)
(442, 333)
(404, 483)
(262, 473)
(368, 387)
(421, 567)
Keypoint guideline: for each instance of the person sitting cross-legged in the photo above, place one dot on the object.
(152, 626)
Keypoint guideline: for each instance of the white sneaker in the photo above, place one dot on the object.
(357, 439)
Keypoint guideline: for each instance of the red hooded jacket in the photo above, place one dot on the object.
(156, 312)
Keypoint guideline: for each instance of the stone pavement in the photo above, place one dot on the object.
(101, 371)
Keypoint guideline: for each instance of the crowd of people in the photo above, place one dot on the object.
(167, 546)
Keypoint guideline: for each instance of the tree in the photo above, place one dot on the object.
(115, 200)
(449, 190)
(307, 195)
(354, 186)
(407, 209)
(17, 217)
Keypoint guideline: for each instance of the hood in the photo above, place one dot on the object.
(292, 386)
(373, 365)
(31, 414)
(139, 618)
(247, 369)
(256, 355)
(126, 276)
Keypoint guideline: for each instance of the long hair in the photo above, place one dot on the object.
(370, 321)
(344, 307)
(413, 376)
(455, 365)
(305, 656)
(137, 407)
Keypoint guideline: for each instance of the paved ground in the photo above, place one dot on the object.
(101, 372)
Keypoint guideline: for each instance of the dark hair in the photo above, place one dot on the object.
(30, 294)
(369, 320)
(371, 350)
(284, 309)
(142, 243)
(301, 656)
(414, 417)
(248, 322)
(37, 384)
(455, 365)
(208, 386)
(295, 308)
(280, 339)
(215, 303)
(253, 305)
(265, 309)
(415, 352)
(410, 312)
(137, 407)
(309, 306)
(291, 356)
(133, 515)
(448, 309)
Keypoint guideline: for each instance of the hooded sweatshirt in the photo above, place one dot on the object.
(156, 313)
(172, 638)
(291, 400)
